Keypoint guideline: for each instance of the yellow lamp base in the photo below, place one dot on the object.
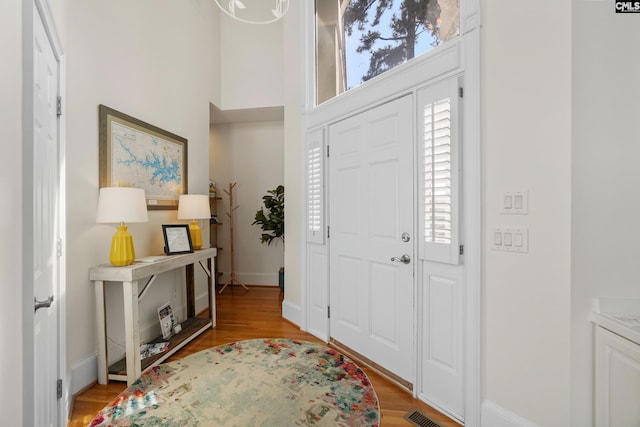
(122, 251)
(196, 235)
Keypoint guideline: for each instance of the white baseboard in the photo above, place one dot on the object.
(496, 416)
(84, 373)
(291, 312)
(252, 278)
(202, 302)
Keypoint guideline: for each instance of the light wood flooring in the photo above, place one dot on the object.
(257, 314)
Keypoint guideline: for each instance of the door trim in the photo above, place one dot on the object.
(472, 199)
(41, 9)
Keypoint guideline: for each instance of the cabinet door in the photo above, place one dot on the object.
(617, 381)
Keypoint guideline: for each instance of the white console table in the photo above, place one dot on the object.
(129, 276)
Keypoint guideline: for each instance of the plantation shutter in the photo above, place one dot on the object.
(439, 167)
(315, 187)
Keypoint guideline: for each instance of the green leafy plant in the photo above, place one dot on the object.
(272, 222)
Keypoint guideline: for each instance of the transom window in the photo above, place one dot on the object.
(357, 40)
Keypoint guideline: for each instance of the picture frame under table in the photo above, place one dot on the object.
(137, 154)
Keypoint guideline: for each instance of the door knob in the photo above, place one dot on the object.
(42, 304)
(405, 259)
(405, 237)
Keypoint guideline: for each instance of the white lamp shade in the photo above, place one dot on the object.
(122, 204)
(194, 206)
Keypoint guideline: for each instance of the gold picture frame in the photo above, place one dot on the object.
(133, 153)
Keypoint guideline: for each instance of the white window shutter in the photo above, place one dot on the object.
(439, 172)
(315, 186)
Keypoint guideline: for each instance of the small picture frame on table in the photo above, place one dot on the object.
(177, 239)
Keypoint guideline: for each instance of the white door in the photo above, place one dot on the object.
(370, 182)
(45, 230)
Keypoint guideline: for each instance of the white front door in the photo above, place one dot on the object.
(371, 230)
(45, 226)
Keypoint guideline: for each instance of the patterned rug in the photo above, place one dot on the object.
(265, 382)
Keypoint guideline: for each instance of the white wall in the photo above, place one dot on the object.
(251, 155)
(294, 95)
(156, 60)
(262, 66)
(526, 60)
(606, 177)
(251, 64)
(11, 300)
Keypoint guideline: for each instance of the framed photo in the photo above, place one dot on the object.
(167, 321)
(136, 154)
(177, 239)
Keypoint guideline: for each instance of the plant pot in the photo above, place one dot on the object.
(281, 279)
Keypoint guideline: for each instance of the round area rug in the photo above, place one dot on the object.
(264, 382)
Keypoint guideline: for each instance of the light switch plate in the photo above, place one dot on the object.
(511, 239)
(514, 202)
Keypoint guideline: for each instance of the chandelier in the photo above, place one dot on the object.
(254, 11)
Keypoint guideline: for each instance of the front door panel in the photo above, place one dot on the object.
(371, 206)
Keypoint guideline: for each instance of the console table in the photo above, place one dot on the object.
(132, 366)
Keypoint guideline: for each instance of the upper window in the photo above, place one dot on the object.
(357, 40)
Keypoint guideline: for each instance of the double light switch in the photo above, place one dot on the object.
(514, 202)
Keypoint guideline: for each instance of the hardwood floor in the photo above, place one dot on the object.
(257, 314)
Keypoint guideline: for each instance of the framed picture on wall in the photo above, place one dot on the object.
(133, 153)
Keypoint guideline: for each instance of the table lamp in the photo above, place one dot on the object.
(194, 207)
(117, 205)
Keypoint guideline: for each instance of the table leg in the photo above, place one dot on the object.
(101, 327)
(191, 290)
(212, 291)
(131, 331)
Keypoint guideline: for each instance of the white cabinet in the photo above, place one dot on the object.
(617, 380)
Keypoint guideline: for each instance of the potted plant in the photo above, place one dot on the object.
(272, 221)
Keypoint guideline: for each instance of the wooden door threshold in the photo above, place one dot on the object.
(359, 358)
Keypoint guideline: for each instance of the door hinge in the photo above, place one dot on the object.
(59, 247)
(59, 389)
(328, 231)
(59, 106)
(329, 312)
(461, 251)
(461, 92)
(327, 151)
